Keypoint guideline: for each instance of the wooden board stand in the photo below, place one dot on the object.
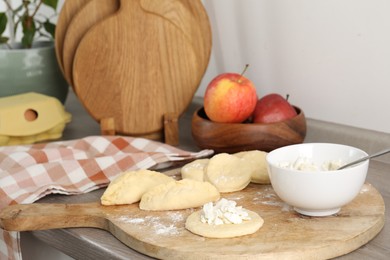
(170, 129)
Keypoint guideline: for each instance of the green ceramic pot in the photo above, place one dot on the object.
(31, 70)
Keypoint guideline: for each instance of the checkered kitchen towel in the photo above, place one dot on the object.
(30, 172)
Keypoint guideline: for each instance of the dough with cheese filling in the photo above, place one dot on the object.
(256, 159)
(196, 226)
(194, 170)
(228, 173)
(181, 194)
(129, 187)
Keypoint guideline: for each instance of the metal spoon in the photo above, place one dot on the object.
(365, 158)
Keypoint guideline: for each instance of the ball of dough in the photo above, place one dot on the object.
(129, 187)
(194, 170)
(196, 226)
(181, 194)
(256, 159)
(228, 172)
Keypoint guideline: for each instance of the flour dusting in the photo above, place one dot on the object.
(268, 197)
(162, 229)
(365, 188)
(273, 203)
(127, 219)
(235, 197)
(286, 207)
(165, 226)
(175, 216)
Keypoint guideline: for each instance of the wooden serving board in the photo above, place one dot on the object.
(68, 11)
(88, 15)
(142, 63)
(284, 235)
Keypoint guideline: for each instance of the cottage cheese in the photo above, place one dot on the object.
(305, 164)
(223, 212)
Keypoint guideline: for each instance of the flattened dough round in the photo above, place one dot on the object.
(228, 172)
(194, 170)
(181, 194)
(129, 187)
(196, 226)
(256, 159)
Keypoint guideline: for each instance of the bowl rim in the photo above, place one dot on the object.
(201, 109)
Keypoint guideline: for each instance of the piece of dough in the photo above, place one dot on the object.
(129, 187)
(181, 194)
(257, 161)
(228, 172)
(194, 170)
(196, 226)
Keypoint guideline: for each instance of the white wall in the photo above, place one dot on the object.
(332, 57)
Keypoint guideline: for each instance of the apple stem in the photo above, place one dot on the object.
(287, 96)
(242, 73)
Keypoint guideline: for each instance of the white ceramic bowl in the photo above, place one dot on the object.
(317, 193)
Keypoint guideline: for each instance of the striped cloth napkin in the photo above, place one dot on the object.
(30, 172)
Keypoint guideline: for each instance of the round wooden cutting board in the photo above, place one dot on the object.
(89, 14)
(142, 63)
(162, 234)
(68, 11)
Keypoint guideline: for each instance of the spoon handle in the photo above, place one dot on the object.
(365, 158)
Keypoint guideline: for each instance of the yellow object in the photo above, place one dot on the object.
(31, 117)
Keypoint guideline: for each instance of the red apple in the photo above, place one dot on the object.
(230, 98)
(273, 108)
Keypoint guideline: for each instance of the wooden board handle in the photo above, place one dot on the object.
(27, 217)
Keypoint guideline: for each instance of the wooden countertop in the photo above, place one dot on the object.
(89, 243)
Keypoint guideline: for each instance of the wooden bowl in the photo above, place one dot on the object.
(234, 137)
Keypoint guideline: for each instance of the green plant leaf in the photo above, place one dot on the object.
(52, 3)
(3, 22)
(27, 39)
(29, 30)
(50, 28)
(3, 39)
(26, 16)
